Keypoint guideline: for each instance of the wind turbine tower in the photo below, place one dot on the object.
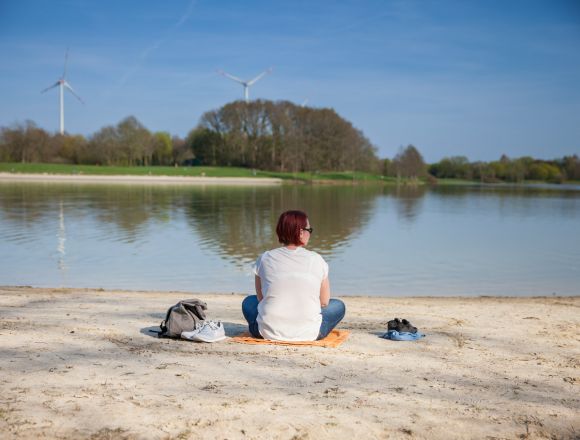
(62, 83)
(245, 84)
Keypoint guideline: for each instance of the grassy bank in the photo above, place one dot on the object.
(236, 172)
(197, 171)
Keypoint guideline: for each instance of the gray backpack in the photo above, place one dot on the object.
(184, 316)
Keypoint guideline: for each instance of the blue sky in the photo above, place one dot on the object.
(453, 77)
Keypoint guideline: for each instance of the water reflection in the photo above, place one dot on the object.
(524, 201)
(408, 200)
(240, 223)
(128, 208)
(61, 248)
(403, 240)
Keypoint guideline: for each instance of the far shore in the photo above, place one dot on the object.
(163, 180)
(83, 364)
(82, 177)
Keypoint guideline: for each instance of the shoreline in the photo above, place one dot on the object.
(45, 177)
(81, 363)
(64, 289)
(127, 179)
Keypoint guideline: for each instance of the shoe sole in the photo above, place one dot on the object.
(188, 335)
(198, 339)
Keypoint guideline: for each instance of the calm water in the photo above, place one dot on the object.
(378, 241)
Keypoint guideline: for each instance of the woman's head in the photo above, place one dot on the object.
(291, 228)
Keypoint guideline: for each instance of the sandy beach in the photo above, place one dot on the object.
(80, 363)
(157, 180)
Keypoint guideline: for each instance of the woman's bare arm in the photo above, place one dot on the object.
(325, 292)
(258, 285)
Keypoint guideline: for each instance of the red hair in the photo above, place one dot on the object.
(289, 226)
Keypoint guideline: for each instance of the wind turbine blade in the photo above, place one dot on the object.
(51, 87)
(259, 76)
(235, 78)
(70, 89)
(65, 63)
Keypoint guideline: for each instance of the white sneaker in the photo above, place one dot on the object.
(210, 332)
(189, 335)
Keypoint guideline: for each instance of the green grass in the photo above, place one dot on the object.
(321, 177)
(336, 176)
(41, 168)
(36, 168)
(456, 182)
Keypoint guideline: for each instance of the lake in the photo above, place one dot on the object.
(381, 241)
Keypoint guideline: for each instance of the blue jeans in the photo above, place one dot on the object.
(332, 314)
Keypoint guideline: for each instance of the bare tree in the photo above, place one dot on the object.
(283, 136)
(409, 163)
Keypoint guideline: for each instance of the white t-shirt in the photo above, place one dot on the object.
(290, 308)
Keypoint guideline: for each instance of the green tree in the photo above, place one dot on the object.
(385, 165)
(162, 148)
(134, 140)
(544, 171)
(67, 148)
(204, 144)
(456, 167)
(182, 154)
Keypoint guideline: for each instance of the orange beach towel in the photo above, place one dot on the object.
(333, 340)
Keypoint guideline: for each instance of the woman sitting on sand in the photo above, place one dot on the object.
(292, 301)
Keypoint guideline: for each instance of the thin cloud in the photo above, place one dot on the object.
(158, 43)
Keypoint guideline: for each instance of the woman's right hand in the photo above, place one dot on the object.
(324, 292)
(258, 286)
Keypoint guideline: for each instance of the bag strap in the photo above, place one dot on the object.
(163, 328)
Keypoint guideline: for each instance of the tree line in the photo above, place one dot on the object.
(266, 135)
(409, 164)
(508, 170)
(280, 136)
(275, 136)
(128, 143)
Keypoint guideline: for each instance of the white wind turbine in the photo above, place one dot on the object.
(246, 84)
(62, 82)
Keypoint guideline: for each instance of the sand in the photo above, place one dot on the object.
(149, 180)
(79, 363)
